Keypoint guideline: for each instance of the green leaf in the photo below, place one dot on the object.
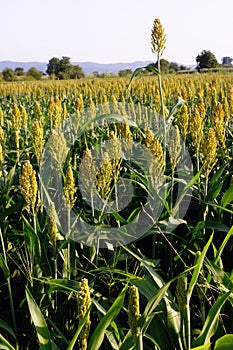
(148, 68)
(80, 326)
(98, 334)
(227, 197)
(62, 285)
(6, 345)
(39, 322)
(148, 313)
(4, 267)
(211, 321)
(112, 340)
(202, 347)
(31, 239)
(224, 343)
(197, 269)
(175, 109)
(8, 328)
(221, 248)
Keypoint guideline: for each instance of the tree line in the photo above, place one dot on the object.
(56, 68)
(64, 69)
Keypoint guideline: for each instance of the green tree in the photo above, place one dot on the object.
(53, 67)
(63, 69)
(206, 59)
(34, 73)
(8, 74)
(125, 72)
(19, 71)
(173, 66)
(164, 66)
(76, 72)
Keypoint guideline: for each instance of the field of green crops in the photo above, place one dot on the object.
(116, 218)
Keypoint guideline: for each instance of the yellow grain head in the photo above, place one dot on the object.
(38, 113)
(79, 104)
(126, 135)
(230, 98)
(155, 158)
(64, 111)
(37, 137)
(84, 302)
(24, 118)
(16, 117)
(183, 120)
(209, 151)
(16, 123)
(1, 117)
(201, 107)
(70, 189)
(134, 311)
(155, 147)
(2, 140)
(91, 108)
(52, 224)
(174, 147)
(105, 106)
(158, 38)
(226, 109)
(88, 171)
(28, 185)
(114, 105)
(1, 159)
(219, 124)
(57, 149)
(196, 126)
(104, 176)
(55, 113)
(181, 292)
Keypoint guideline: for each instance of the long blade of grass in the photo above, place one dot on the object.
(80, 326)
(211, 320)
(148, 68)
(197, 269)
(98, 334)
(39, 322)
(6, 344)
(221, 248)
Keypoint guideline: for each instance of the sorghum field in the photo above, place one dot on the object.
(163, 278)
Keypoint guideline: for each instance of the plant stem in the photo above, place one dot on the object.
(68, 246)
(139, 343)
(162, 108)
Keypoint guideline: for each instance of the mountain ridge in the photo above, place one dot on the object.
(88, 66)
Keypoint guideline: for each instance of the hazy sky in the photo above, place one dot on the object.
(107, 31)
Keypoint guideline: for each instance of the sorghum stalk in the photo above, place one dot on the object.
(29, 189)
(53, 236)
(158, 41)
(174, 154)
(209, 159)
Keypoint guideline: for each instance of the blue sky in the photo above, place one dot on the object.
(107, 31)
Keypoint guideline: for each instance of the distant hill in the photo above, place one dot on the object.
(41, 66)
(88, 67)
